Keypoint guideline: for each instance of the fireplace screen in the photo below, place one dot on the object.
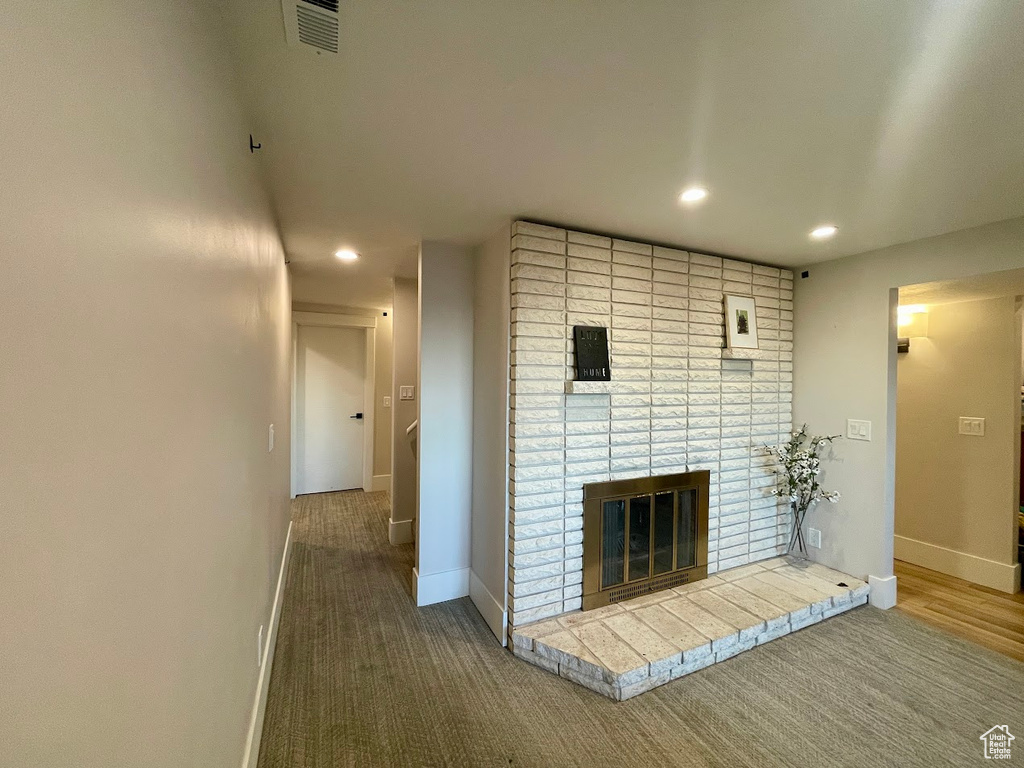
(643, 535)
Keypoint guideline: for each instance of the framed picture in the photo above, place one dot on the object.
(740, 322)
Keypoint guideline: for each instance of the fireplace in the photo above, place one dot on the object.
(643, 535)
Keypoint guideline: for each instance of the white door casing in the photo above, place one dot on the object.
(366, 325)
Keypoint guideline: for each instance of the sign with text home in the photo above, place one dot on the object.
(591, 353)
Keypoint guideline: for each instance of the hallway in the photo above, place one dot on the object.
(363, 678)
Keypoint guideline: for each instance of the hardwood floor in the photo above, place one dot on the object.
(985, 616)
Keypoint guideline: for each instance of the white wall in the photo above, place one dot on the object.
(445, 472)
(491, 328)
(957, 495)
(145, 316)
(405, 372)
(357, 286)
(845, 367)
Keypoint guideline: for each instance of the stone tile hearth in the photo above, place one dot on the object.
(628, 648)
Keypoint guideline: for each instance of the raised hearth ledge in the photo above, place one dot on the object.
(629, 648)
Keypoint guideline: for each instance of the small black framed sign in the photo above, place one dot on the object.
(591, 348)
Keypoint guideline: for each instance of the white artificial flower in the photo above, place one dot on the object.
(798, 467)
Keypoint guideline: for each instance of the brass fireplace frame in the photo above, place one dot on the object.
(594, 497)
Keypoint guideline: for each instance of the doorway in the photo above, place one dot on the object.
(331, 381)
(958, 431)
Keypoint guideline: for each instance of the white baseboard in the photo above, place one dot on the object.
(438, 587)
(978, 570)
(381, 483)
(259, 707)
(883, 591)
(400, 532)
(490, 608)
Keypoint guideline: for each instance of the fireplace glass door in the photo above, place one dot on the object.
(650, 534)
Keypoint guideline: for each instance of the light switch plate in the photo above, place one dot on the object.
(387, 401)
(406, 393)
(972, 425)
(814, 538)
(270, 439)
(856, 429)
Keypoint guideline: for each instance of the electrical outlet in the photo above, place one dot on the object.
(814, 538)
(972, 425)
(857, 429)
(259, 647)
(387, 401)
(270, 439)
(407, 393)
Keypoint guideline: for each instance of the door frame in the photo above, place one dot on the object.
(368, 324)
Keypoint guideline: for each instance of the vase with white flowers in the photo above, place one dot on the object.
(797, 466)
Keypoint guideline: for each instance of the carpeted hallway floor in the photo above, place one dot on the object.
(363, 678)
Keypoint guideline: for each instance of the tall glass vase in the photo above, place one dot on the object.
(796, 539)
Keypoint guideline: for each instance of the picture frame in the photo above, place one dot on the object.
(740, 322)
(591, 352)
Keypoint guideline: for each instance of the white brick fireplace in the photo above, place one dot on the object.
(677, 400)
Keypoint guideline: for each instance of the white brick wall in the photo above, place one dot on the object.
(673, 404)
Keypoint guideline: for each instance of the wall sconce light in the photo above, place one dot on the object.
(912, 321)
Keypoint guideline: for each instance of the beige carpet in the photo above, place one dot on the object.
(363, 678)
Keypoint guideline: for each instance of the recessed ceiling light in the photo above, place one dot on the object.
(346, 254)
(824, 232)
(693, 195)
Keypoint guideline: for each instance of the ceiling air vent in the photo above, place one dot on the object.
(313, 23)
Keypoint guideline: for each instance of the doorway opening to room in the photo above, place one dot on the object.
(333, 403)
(959, 384)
